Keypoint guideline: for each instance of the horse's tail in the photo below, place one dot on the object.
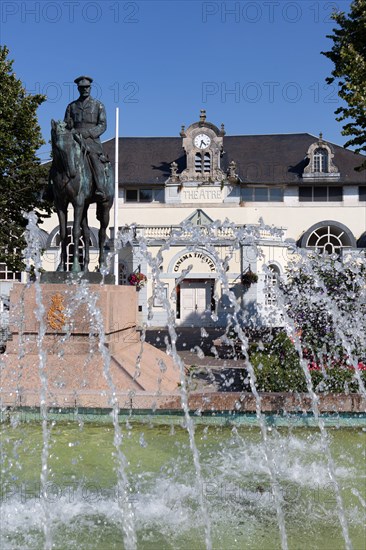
(48, 193)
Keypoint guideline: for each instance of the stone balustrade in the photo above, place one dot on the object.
(163, 232)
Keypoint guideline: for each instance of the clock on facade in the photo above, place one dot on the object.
(202, 141)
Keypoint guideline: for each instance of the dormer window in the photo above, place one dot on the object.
(320, 166)
(320, 160)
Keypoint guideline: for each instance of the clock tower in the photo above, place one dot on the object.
(203, 145)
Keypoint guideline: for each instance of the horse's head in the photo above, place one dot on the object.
(58, 127)
(63, 147)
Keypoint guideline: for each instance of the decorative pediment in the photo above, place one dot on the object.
(199, 217)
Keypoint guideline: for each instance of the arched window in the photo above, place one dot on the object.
(207, 163)
(361, 243)
(198, 162)
(270, 282)
(321, 165)
(320, 160)
(122, 274)
(328, 237)
(70, 248)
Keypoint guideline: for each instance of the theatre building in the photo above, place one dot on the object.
(207, 209)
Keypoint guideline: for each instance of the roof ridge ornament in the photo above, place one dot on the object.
(231, 172)
(174, 171)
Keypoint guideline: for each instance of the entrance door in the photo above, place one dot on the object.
(195, 303)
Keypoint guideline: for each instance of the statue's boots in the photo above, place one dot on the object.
(99, 177)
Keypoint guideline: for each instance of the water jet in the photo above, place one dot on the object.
(90, 462)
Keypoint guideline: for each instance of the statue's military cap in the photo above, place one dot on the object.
(83, 80)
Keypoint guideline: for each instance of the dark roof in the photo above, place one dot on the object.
(146, 160)
(278, 158)
(282, 158)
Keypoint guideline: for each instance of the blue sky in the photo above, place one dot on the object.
(253, 65)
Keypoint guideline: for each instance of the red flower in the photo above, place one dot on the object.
(313, 366)
(137, 279)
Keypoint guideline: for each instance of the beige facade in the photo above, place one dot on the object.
(200, 210)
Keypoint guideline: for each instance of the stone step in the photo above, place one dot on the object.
(188, 338)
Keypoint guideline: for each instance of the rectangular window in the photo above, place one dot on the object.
(145, 195)
(159, 195)
(305, 194)
(276, 194)
(247, 194)
(362, 193)
(335, 194)
(7, 275)
(262, 194)
(131, 195)
(320, 194)
(317, 193)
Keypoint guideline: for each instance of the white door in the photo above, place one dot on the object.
(195, 303)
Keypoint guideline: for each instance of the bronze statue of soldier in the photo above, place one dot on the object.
(81, 174)
(86, 117)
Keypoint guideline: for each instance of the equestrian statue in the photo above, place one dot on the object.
(81, 174)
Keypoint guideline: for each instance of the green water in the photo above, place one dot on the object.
(82, 502)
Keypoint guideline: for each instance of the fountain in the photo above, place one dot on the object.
(91, 459)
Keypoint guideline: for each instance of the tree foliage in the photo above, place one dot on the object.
(22, 176)
(277, 369)
(349, 57)
(325, 296)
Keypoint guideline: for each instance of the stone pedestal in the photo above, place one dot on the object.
(61, 277)
(81, 339)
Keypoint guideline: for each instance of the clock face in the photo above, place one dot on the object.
(202, 141)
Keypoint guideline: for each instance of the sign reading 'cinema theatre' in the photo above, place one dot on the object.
(196, 259)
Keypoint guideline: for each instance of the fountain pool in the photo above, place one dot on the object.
(170, 484)
(82, 495)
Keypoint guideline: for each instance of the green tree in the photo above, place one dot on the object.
(325, 296)
(349, 57)
(22, 176)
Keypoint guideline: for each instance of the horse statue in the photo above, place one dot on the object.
(71, 181)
